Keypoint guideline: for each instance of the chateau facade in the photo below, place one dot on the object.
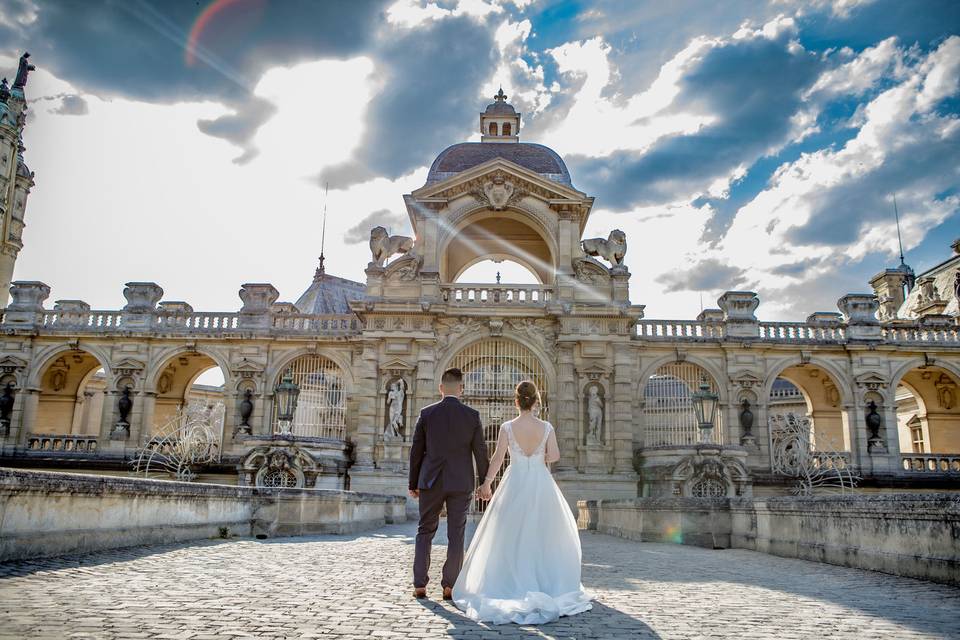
(875, 384)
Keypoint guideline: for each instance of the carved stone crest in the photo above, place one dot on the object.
(498, 193)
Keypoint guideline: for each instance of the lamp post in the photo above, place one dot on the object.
(705, 405)
(287, 392)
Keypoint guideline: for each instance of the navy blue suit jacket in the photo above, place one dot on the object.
(447, 436)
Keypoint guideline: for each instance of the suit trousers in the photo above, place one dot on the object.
(431, 503)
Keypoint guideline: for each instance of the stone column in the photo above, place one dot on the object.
(144, 427)
(568, 419)
(31, 402)
(366, 390)
(622, 414)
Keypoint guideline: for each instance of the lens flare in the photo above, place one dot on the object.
(215, 9)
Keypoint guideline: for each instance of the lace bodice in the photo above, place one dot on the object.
(517, 452)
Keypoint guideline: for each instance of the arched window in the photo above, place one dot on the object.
(322, 403)
(506, 128)
(493, 128)
(668, 414)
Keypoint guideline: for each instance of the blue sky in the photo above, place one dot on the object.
(741, 145)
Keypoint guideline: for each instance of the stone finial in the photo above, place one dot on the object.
(738, 308)
(739, 305)
(956, 246)
(28, 295)
(257, 297)
(142, 297)
(860, 313)
(711, 315)
(859, 308)
(27, 306)
(175, 306)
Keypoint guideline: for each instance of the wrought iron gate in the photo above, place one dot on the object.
(491, 370)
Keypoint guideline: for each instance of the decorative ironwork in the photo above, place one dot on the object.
(669, 414)
(322, 405)
(491, 371)
(823, 471)
(709, 488)
(280, 478)
(190, 440)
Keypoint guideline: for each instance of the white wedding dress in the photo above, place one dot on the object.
(523, 564)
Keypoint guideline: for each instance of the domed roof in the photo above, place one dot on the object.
(500, 106)
(466, 155)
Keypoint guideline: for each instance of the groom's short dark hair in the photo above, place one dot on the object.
(452, 376)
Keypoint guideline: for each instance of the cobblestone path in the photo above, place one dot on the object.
(359, 587)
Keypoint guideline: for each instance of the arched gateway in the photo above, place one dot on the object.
(492, 368)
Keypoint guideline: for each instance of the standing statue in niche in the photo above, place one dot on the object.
(395, 398)
(594, 415)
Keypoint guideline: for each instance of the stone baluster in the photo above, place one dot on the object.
(71, 313)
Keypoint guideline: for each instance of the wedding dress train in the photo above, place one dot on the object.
(523, 564)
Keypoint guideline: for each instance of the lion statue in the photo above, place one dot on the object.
(383, 245)
(612, 249)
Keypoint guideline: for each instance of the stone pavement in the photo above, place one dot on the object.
(358, 587)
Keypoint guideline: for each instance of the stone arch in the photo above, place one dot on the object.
(452, 350)
(48, 355)
(172, 381)
(668, 416)
(63, 406)
(483, 232)
(325, 384)
(936, 391)
(497, 257)
(273, 373)
(827, 396)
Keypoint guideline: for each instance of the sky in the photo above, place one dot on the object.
(740, 145)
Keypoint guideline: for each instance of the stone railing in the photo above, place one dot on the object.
(789, 332)
(931, 462)
(692, 330)
(47, 513)
(196, 322)
(485, 294)
(60, 442)
(800, 332)
(905, 534)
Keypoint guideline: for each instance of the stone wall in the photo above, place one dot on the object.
(47, 513)
(915, 535)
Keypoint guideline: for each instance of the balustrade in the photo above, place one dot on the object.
(679, 330)
(801, 332)
(484, 294)
(60, 442)
(931, 462)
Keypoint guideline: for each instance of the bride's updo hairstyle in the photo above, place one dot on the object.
(526, 395)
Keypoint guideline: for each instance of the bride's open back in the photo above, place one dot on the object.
(523, 564)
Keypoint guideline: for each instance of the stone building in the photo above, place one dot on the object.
(620, 389)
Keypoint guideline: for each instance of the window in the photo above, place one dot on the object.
(916, 435)
(506, 128)
(493, 128)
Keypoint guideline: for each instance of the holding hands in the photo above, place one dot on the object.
(485, 492)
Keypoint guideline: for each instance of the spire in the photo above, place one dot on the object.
(908, 276)
(318, 275)
(499, 122)
(501, 96)
(896, 214)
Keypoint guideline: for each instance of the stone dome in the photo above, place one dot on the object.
(466, 155)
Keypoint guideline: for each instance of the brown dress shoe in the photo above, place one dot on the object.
(420, 592)
(447, 593)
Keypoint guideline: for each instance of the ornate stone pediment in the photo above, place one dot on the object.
(11, 364)
(490, 178)
(594, 372)
(543, 333)
(247, 369)
(397, 367)
(747, 380)
(871, 381)
(127, 367)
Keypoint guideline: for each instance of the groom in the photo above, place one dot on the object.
(441, 472)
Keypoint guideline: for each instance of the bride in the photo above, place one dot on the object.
(523, 564)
